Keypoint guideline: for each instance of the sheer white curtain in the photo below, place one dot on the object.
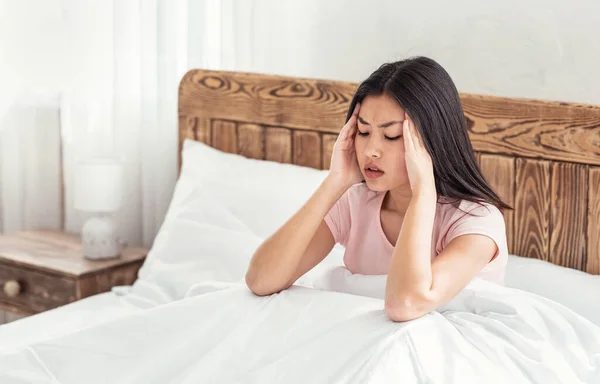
(30, 74)
(103, 80)
(111, 91)
(122, 102)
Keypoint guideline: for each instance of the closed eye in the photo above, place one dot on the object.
(386, 137)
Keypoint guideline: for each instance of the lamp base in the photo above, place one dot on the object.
(99, 238)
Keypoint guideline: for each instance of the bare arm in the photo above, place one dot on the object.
(305, 239)
(300, 244)
(416, 285)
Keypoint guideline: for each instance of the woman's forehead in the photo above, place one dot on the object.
(380, 107)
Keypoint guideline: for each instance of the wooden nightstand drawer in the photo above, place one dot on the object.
(42, 270)
(37, 291)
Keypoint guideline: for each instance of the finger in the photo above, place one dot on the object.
(352, 131)
(350, 127)
(344, 132)
(356, 109)
(408, 140)
(415, 136)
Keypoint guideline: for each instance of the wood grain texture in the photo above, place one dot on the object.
(7, 308)
(317, 105)
(278, 145)
(518, 127)
(535, 129)
(57, 252)
(568, 213)
(328, 141)
(301, 117)
(593, 222)
(499, 171)
(10, 317)
(307, 149)
(186, 130)
(251, 141)
(193, 128)
(39, 291)
(532, 206)
(202, 129)
(103, 281)
(51, 271)
(224, 136)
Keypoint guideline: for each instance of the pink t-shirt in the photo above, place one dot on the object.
(355, 223)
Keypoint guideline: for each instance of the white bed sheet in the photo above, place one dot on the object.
(222, 333)
(64, 320)
(120, 302)
(577, 291)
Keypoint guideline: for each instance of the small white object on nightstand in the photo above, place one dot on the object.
(98, 189)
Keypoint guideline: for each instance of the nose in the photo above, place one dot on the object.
(373, 150)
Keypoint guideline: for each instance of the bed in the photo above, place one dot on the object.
(252, 149)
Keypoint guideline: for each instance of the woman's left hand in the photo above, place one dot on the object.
(418, 160)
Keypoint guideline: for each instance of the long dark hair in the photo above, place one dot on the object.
(425, 90)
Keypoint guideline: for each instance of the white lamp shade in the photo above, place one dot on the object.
(98, 185)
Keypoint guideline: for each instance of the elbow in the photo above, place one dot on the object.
(407, 307)
(258, 285)
(255, 280)
(254, 285)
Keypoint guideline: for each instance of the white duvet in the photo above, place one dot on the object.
(334, 330)
(222, 333)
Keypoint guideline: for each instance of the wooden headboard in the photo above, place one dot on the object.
(543, 158)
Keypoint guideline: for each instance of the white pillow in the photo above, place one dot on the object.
(262, 194)
(574, 289)
(224, 205)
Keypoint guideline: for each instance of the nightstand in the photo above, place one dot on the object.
(42, 270)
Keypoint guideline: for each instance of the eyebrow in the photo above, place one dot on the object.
(384, 125)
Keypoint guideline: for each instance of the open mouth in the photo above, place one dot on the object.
(373, 172)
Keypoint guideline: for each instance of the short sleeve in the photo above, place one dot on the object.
(482, 220)
(338, 219)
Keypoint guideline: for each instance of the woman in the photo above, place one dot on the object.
(404, 195)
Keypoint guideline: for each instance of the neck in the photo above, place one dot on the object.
(398, 199)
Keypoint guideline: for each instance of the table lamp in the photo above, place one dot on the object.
(98, 189)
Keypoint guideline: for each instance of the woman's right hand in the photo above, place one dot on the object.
(344, 169)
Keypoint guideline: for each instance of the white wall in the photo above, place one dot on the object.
(545, 49)
(102, 57)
